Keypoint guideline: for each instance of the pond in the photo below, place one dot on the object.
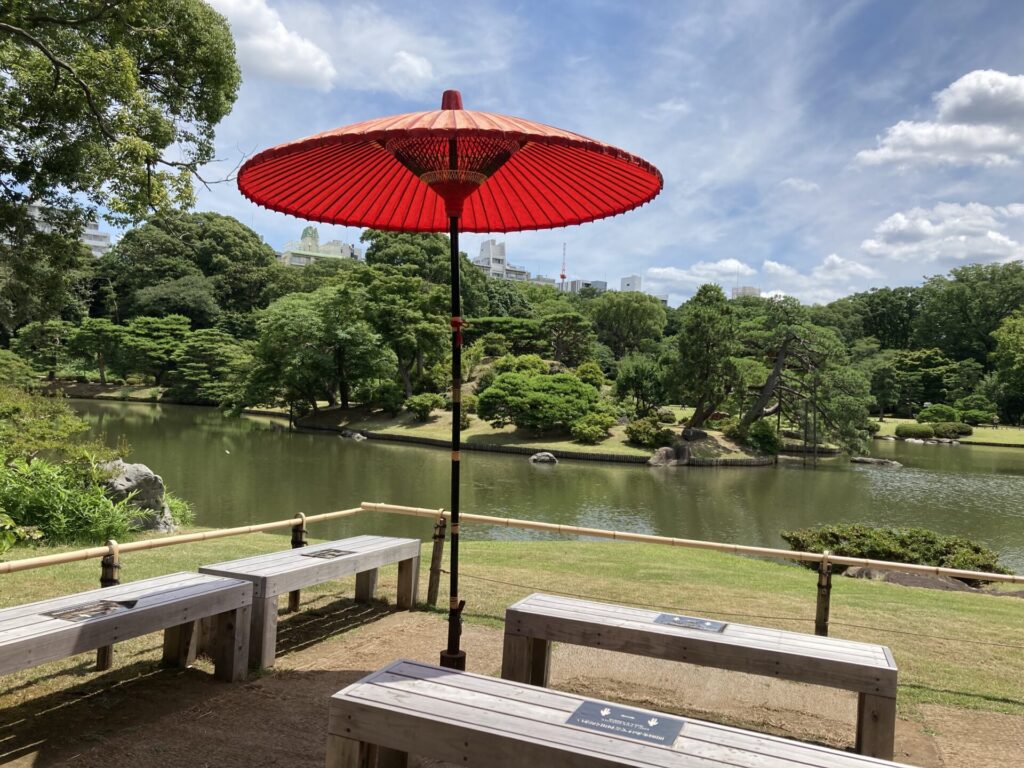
(251, 469)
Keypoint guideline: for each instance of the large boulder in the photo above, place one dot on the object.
(145, 491)
(692, 433)
(875, 461)
(663, 457)
(544, 457)
(905, 579)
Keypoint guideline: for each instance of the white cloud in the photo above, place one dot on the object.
(677, 105)
(979, 121)
(827, 281)
(267, 48)
(949, 233)
(799, 185)
(678, 280)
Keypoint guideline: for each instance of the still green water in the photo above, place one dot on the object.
(249, 470)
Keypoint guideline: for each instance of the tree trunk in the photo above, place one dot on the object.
(344, 389)
(102, 365)
(701, 414)
(406, 379)
(757, 410)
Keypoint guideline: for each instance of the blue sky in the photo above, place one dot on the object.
(809, 148)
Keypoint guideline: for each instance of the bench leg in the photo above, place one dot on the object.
(347, 753)
(391, 758)
(181, 644)
(104, 658)
(876, 725)
(294, 598)
(231, 652)
(263, 635)
(366, 585)
(408, 582)
(526, 660)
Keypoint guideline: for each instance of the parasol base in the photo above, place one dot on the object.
(456, 660)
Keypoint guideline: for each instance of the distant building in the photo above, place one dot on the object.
(631, 283)
(575, 286)
(97, 242)
(744, 291)
(492, 262)
(662, 297)
(308, 249)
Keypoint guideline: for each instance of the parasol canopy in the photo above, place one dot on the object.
(450, 170)
(397, 173)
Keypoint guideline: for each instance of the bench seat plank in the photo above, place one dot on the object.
(475, 720)
(294, 568)
(794, 656)
(28, 637)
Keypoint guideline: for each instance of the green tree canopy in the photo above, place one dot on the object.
(151, 344)
(538, 402)
(624, 321)
(707, 343)
(104, 104)
(96, 342)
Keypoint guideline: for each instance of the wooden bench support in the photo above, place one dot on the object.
(526, 660)
(347, 753)
(876, 725)
(408, 583)
(263, 635)
(366, 586)
(181, 644)
(289, 571)
(231, 650)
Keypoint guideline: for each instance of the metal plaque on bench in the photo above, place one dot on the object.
(90, 610)
(623, 721)
(690, 622)
(328, 554)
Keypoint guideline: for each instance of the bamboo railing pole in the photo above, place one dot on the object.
(736, 549)
(13, 566)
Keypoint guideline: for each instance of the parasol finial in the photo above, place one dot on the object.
(451, 100)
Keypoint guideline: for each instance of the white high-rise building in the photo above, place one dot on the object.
(97, 242)
(493, 263)
(575, 286)
(631, 283)
(744, 291)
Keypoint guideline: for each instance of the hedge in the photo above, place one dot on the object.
(920, 431)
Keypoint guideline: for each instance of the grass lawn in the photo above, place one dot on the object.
(950, 647)
(1009, 436)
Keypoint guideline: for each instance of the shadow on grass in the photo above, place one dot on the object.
(312, 625)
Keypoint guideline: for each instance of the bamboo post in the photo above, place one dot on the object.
(110, 567)
(299, 540)
(435, 558)
(824, 595)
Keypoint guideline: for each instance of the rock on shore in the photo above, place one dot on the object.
(148, 489)
(874, 461)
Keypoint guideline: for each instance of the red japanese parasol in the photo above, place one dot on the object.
(456, 170)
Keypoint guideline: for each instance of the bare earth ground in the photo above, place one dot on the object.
(141, 716)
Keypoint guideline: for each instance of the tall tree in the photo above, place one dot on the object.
(45, 343)
(707, 343)
(959, 313)
(1008, 358)
(151, 344)
(107, 104)
(572, 337)
(625, 321)
(96, 342)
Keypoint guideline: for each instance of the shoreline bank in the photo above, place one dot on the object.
(79, 391)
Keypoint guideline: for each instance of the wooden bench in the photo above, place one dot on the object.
(472, 720)
(65, 626)
(278, 573)
(534, 622)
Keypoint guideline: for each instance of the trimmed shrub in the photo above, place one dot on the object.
(938, 412)
(464, 420)
(977, 417)
(494, 344)
(872, 427)
(951, 429)
(901, 545)
(649, 433)
(590, 373)
(592, 428)
(762, 436)
(919, 431)
(390, 397)
(665, 416)
(421, 405)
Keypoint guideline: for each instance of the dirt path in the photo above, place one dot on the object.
(141, 717)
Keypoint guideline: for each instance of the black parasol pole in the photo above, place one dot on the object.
(453, 657)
